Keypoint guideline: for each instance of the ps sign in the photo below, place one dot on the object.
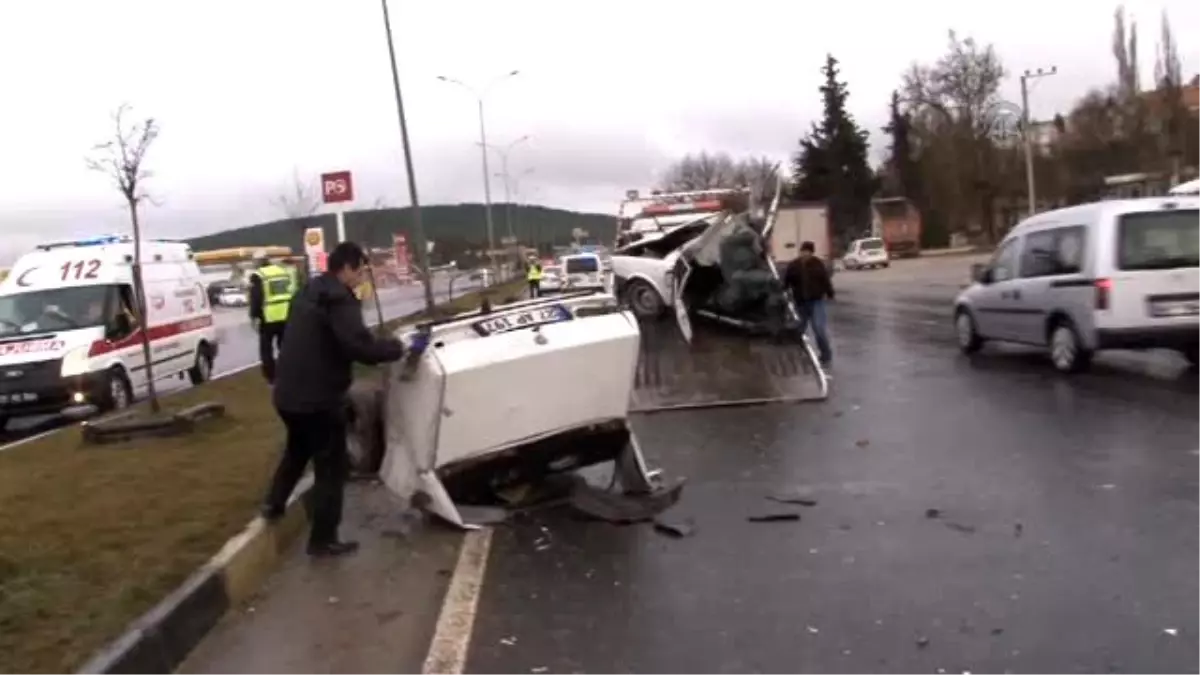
(337, 187)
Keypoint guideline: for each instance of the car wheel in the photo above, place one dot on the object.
(1193, 356)
(1067, 351)
(969, 340)
(643, 300)
(885, 265)
(201, 371)
(118, 392)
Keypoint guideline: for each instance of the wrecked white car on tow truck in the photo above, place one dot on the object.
(461, 426)
(716, 268)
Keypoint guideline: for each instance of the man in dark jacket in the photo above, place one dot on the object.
(326, 335)
(809, 281)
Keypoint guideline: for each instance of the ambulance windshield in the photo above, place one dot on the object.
(56, 309)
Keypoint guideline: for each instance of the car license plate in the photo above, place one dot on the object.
(523, 319)
(1167, 308)
(25, 397)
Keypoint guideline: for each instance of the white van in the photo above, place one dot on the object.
(70, 339)
(1122, 274)
(582, 271)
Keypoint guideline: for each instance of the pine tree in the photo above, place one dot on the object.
(901, 162)
(831, 164)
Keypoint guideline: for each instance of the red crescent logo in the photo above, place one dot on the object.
(21, 279)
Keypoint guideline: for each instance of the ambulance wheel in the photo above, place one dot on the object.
(643, 299)
(201, 372)
(118, 392)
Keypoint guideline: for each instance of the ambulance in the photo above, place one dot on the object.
(70, 336)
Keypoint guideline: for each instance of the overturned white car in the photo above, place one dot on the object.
(461, 425)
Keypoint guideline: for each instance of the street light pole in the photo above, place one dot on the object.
(487, 180)
(1028, 129)
(418, 230)
(503, 175)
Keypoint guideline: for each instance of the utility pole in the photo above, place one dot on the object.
(487, 177)
(418, 231)
(1028, 131)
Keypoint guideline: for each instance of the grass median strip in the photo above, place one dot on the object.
(94, 536)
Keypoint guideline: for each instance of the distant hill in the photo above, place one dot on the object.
(454, 228)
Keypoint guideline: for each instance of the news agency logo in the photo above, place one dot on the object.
(1006, 121)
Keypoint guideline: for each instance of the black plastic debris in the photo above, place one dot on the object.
(1018, 529)
(959, 527)
(933, 513)
(922, 642)
(797, 496)
(620, 508)
(774, 517)
(862, 443)
(675, 527)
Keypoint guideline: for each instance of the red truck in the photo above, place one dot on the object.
(897, 221)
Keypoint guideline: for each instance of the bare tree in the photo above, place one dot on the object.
(122, 159)
(700, 172)
(759, 175)
(299, 200)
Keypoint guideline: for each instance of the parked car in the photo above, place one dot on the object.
(233, 296)
(552, 279)
(865, 254)
(216, 288)
(1122, 274)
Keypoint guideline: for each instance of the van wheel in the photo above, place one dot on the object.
(1066, 349)
(1191, 353)
(969, 341)
(118, 393)
(201, 372)
(643, 300)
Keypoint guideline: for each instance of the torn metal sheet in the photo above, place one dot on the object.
(623, 508)
(721, 367)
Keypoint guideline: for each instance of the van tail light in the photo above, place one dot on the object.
(1103, 291)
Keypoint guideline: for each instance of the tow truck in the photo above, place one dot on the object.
(713, 265)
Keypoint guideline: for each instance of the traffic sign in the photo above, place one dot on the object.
(337, 186)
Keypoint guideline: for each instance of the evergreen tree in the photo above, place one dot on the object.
(901, 163)
(831, 165)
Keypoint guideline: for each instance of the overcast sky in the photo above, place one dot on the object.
(248, 91)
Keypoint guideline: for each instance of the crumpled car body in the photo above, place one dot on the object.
(510, 396)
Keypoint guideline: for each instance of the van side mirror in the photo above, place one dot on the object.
(981, 273)
(119, 327)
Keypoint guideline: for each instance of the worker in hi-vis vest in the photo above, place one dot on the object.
(271, 291)
(533, 275)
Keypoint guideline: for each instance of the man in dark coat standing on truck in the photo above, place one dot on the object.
(326, 335)
(809, 281)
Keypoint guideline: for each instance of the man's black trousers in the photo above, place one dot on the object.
(270, 338)
(321, 437)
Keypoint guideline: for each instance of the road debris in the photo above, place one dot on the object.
(933, 513)
(677, 528)
(799, 496)
(482, 515)
(959, 527)
(922, 642)
(813, 630)
(862, 443)
(333, 600)
(1018, 528)
(774, 517)
(1171, 631)
(997, 631)
(623, 509)
(538, 669)
(508, 641)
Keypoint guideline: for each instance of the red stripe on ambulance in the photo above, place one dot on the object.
(159, 332)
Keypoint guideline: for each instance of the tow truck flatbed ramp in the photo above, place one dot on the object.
(721, 368)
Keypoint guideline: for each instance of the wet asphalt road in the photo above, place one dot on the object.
(982, 515)
(239, 346)
(1064, 536)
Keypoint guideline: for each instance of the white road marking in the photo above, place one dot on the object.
(452, 638)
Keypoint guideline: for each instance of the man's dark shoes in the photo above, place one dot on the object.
(332, 549)
(271, 513)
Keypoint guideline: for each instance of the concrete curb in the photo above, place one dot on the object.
(160, 640)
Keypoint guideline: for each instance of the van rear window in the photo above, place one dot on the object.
(582, 265)
(1158, 240)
